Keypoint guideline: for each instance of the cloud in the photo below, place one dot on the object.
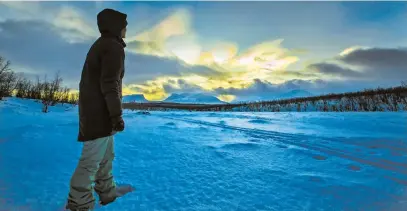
(174, 38)
(389, 59)
(24, 9)
(257, 88)
(71, 22)
(169, 49)
(145, 74)
(217, 67)
(177, 23)
(335, 70)
(153, 41)
(37, 45)
(73, 26)
(351, 49)
(141, 68)
(44, 51)
(264, 90)
(379, 66)
(180, 86)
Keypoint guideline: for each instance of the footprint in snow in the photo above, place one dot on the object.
(259, 121)
(254, 140)
(372, 152)
(212, 147)
(316, 179)
(319, 157)
(282, 146)
(354, 168)
(203, 128)
(170, 124)
(240, 146)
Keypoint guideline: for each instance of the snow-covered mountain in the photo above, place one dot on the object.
(201, 98)
(294, 94)
(138, 98)
(197, 98)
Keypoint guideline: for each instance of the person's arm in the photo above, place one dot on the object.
(112, 60)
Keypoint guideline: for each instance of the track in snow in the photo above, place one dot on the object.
(313, 143)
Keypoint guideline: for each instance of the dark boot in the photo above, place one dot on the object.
(119, 192)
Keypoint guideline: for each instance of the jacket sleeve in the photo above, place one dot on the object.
(112, 65)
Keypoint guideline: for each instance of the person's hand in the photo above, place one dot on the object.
(118, 124)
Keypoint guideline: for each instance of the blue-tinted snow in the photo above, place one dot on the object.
(213, 161)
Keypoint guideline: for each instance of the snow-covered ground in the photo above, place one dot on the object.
(213, 161)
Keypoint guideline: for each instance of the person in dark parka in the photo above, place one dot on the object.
(100, 114)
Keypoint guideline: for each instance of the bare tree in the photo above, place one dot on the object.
(73, 98)
(37, 89)
(64, 95)
(23, 88)
(7, 78)
(4, 65)
(50, 92)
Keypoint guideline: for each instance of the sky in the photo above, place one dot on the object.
(233, 50)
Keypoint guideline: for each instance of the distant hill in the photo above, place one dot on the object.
(138, 98)
(195, 98)
(200, 98)
(295, 94)
(283, 94)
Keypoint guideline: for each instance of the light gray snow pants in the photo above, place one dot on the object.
(94, 166)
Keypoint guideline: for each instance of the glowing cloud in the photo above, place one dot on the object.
(174, 38)
(227, 98)
(73, 26)
(234, 70)
(351, 49)
(154, 41)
